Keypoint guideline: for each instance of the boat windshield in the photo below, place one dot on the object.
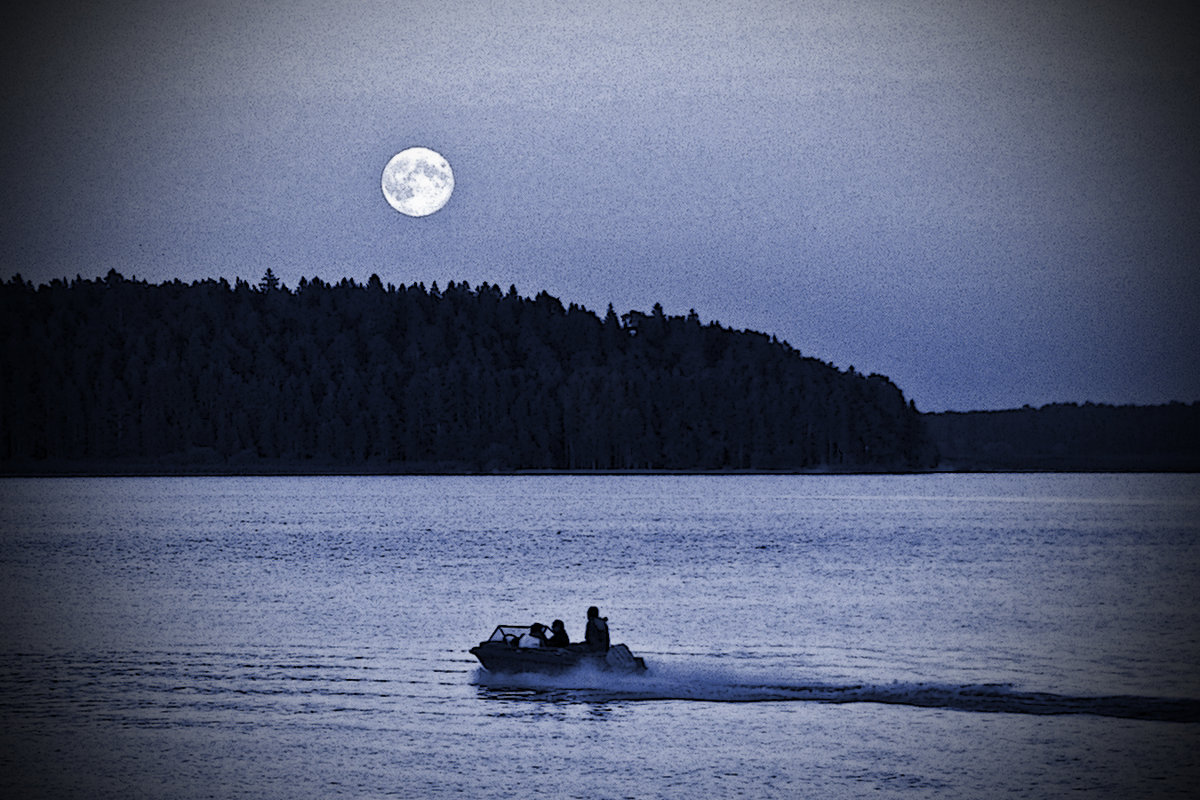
(503, 631)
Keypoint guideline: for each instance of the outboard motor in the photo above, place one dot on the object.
(619, 657)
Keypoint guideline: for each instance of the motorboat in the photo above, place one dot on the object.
(513, 648)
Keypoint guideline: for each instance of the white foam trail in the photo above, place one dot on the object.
(674, 681)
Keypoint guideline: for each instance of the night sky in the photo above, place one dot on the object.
(992, 203)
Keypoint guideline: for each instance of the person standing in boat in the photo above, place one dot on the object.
(596, 635)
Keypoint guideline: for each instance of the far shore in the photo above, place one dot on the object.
(28, 470)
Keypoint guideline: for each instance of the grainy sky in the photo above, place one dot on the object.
(992, 203)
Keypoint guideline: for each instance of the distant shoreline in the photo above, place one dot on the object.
(308, 471)
(1059, 438)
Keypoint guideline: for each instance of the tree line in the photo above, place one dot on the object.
(114, 373)
(1067, 436)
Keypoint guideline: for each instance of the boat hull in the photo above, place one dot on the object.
(503, 657)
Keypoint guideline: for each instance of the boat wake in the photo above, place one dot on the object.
(676, 683)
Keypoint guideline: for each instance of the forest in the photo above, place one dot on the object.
(117, 375)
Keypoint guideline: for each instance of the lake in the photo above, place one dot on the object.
(945, 635)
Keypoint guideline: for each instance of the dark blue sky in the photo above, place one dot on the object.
(992, 203)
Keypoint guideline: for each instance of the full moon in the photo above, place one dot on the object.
(417, 181)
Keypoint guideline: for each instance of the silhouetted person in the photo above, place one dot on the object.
(536, 636)
(558, 635)
(596, 635)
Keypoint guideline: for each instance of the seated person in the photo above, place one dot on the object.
(536, 636)
(558, 635)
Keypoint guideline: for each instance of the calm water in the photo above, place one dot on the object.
(808, 636)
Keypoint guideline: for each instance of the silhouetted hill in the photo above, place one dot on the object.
(121, 375)
(1071, 437)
